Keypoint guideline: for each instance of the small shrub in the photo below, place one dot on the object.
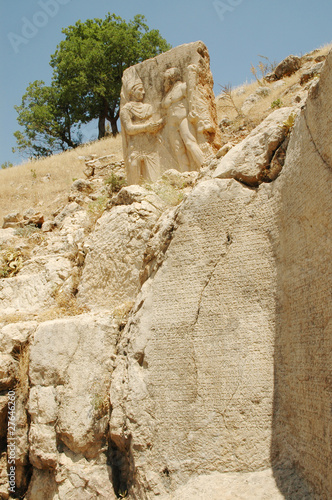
(289, 123)
(7, 164)
(97, 207)
(101, 405)
(115, 183)
(264, 66)
(276, 104)
(26, 231)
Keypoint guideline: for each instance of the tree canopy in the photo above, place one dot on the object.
(87, 70)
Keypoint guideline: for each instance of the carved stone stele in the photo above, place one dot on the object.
(168, 113)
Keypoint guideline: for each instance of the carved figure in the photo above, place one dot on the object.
(138, 125)
(177, 104)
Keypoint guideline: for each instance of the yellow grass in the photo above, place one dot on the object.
(262, 108)
(26, 186)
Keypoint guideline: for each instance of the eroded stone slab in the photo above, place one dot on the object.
(168, 114)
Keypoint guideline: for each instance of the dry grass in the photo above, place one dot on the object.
(27, 186)
(262, 108)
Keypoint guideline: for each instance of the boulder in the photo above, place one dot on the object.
(12, 220)
(288, 66)
(115, 250)
(247, 160)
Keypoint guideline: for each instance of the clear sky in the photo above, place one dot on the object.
(235, 32)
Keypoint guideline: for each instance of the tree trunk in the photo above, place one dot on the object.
(101, 126)
(114, 126)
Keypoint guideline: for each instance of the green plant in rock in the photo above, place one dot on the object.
(289, 123)
(276, 104)
(27, 231)
(115, 183)
(98, 206)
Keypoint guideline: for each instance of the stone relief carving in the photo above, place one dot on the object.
(137, 123)
(168, 115)
(179, 109)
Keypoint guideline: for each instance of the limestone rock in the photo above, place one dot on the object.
(248, 159)
(12, 220)
(240, 486)
(33, 287)
(311, 73)
(48, 226)
(72, 355)
(81, 185)
(114, 260)
(178, 107)
(6, 235)
(43, 448)
(4, 485)
(33, 217)
(74, 478)
(8, 372)
(252, 99)
(194, 389)
(288, 66)
(67, 211)
(224, 150)
(131, 194)
(304, 339)
(180, 179)
(15, 335)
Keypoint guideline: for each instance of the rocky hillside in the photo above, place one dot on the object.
(172, 340)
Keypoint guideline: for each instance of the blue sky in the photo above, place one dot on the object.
(235, 32)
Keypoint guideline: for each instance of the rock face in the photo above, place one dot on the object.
(198, 365)
(288, 66)
(302, 421)
(111, 275)
(170, 121)
(70, 367)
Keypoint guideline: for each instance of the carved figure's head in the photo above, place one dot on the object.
(137, 93)
(133, 89)
(171, 75)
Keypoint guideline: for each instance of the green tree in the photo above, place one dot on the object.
(87, 70)
(48, 121)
